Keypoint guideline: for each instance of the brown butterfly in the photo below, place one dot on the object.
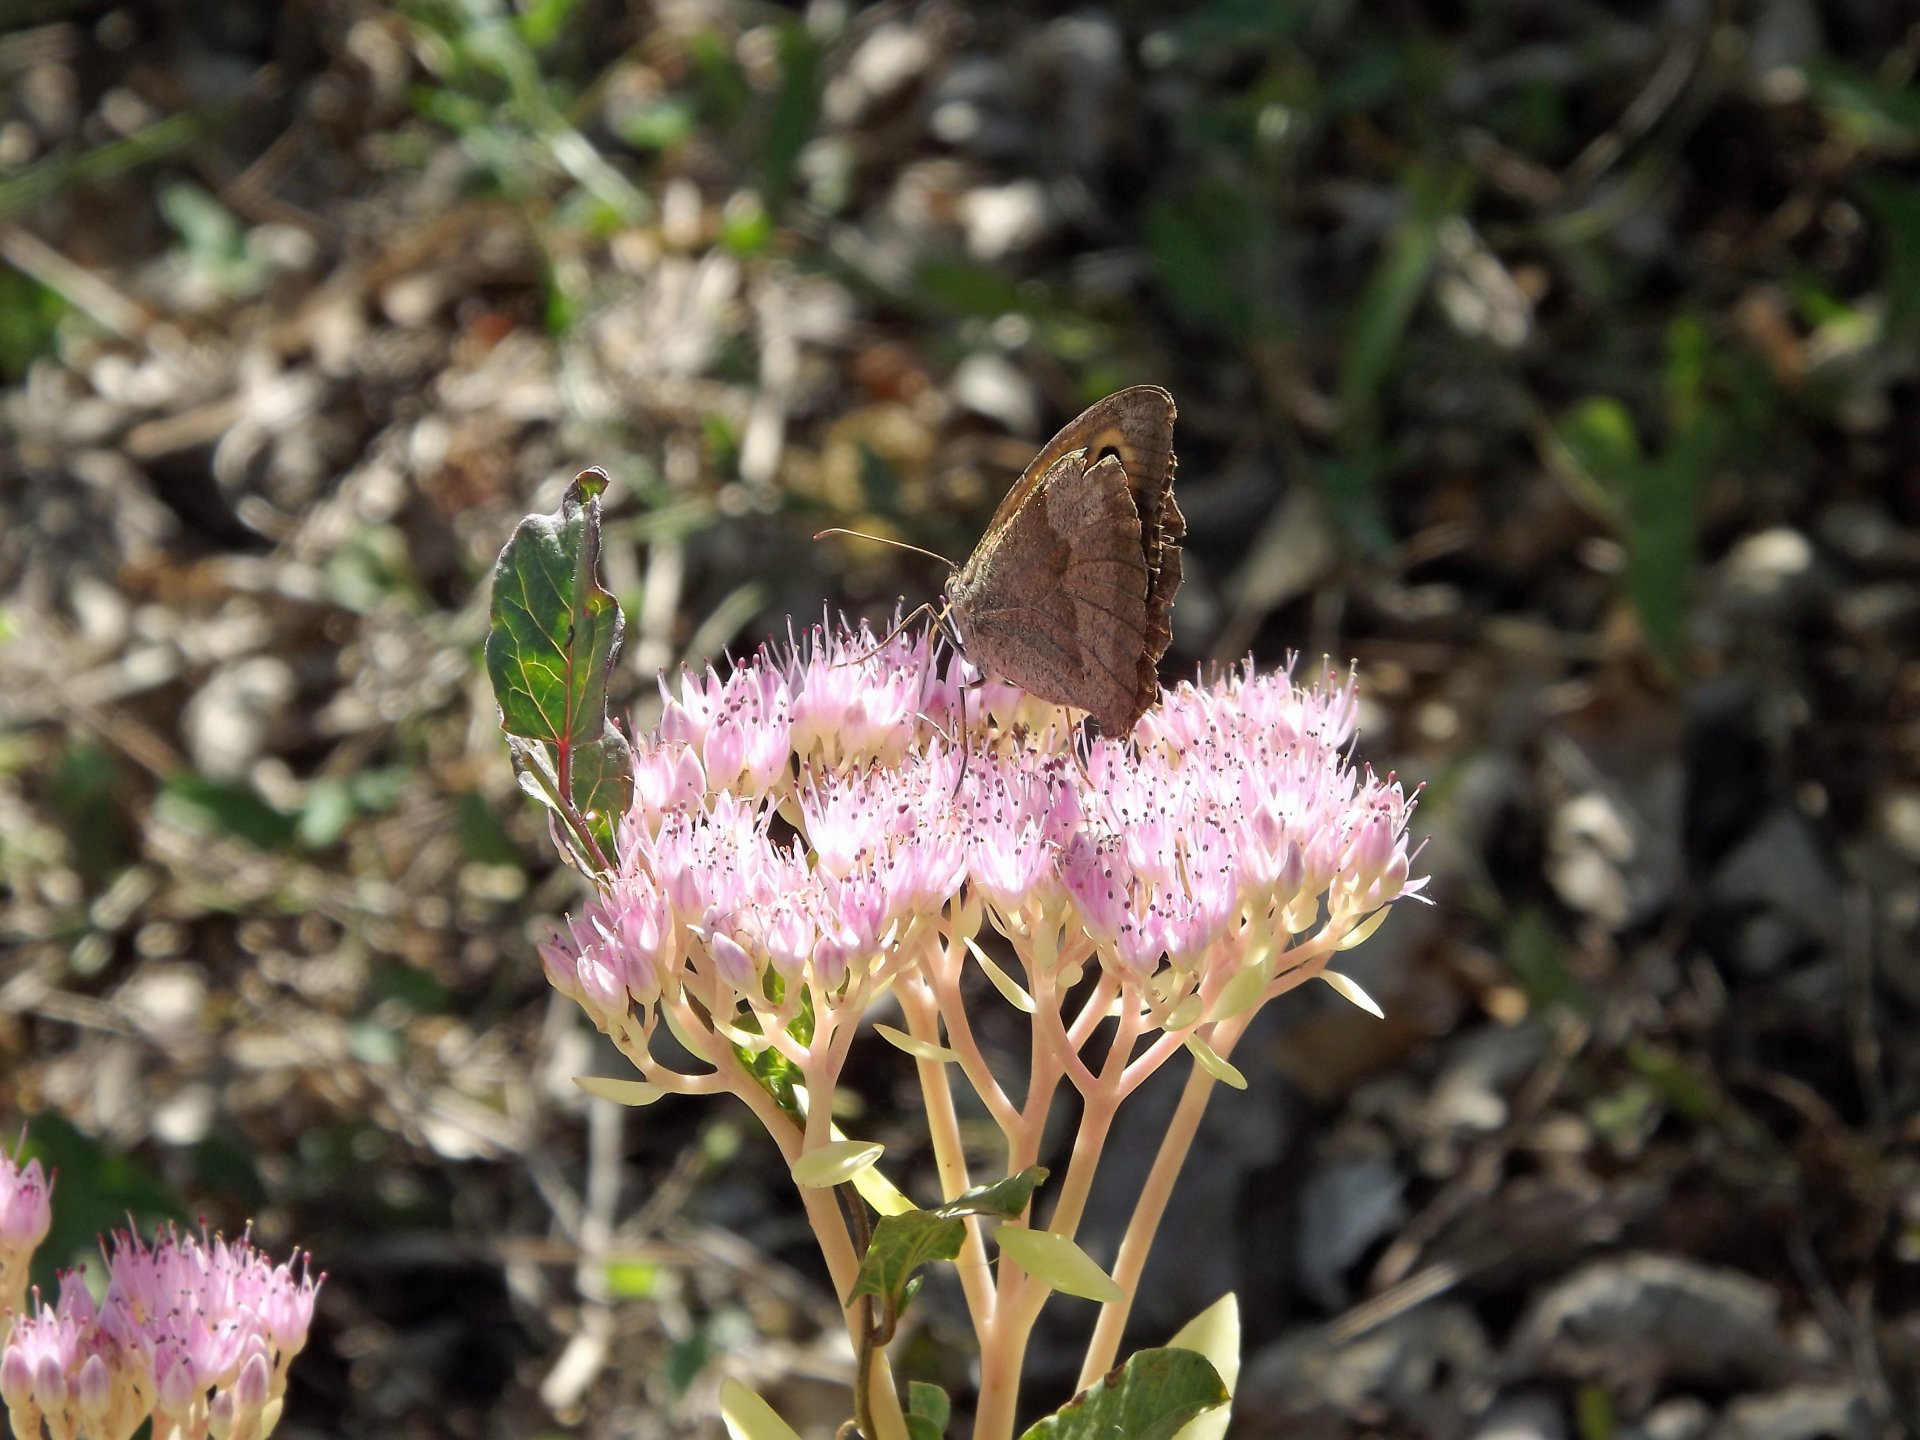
(1068, 593)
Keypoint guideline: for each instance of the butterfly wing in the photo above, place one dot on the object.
(1057, 599)
(1136, 425)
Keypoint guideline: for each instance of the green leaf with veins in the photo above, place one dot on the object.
(1150, 1397)
(928, 1410)
(554, 631)
(906, 1242)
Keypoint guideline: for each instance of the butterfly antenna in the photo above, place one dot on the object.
(883, 540)
(886, 640)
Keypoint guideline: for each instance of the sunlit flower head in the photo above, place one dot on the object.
(806, 821)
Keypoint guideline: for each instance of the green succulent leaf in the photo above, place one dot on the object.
(1150, 1397)
(1215, 1333)
(928, 1410)
(902, 1244)
(1006, 1198)
(905, 1243)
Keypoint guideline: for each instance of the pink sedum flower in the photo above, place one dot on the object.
(812, 818)
(26, 1214)
(197, 1332)
(60, 1369)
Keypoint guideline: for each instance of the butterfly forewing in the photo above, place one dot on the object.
(1136, 424)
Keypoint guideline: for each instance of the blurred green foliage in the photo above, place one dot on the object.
(1536, 957)
(84, 779)
(213, 243)
(30, 314)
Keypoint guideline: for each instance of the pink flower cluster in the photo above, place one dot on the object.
(26, 1213)
(196, 1332)
(799, 822)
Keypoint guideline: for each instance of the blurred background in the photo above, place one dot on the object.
(1555, 360)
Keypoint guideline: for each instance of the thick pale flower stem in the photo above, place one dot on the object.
(949, 1153)
(1003, 1342)
(829, 1227)
(1151, 1208)
(1020, 1298)
(1149, 1211)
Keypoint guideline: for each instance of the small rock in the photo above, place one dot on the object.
(1806, 1412)
(1877, 612)
(1589, 844)
(1767, 945)
(167, 1004)
(1900, 821)
(1766, 573)
(410, 301)
(1344, 1209)
(1637, 1321)
(991, 385)
(1478, 292)
(976, 106)
(1784, 37)
(1090, 45)
(1524, 1417)
(101, 612)
(49, 95)
(1779, 868)
(886, 62)
(1429, 1368)
(228, 719)
(1296, 549)
(1683, 1418)
(1862, 532)
(1000, 220)
(186, 1117)
(18, 145)
(1469, 1093)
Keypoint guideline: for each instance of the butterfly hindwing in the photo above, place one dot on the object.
(1058, 605)
(1069, 592)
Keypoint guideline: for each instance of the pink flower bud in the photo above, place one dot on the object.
(16, 1378)
(789, 938)
(49, 1383)
(731, 961)
(177, 1384)
(833, 953)
(251, 1389)
(560, 967)
(676, 726)
(1097, 887)
(600, 989)
(94, 1388)
(724, 751)
(1293, 869)
(26, 1209)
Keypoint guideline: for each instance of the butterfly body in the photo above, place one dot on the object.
(1068, 595)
